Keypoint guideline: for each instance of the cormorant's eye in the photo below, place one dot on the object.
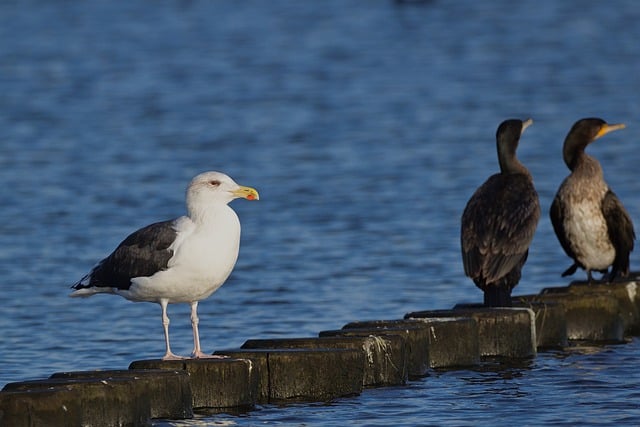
(214, 183)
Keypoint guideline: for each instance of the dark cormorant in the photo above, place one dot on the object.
(591, 224)
(499, 221)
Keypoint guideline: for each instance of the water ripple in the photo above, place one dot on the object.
(365, 138)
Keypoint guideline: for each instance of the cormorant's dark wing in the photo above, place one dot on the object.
(557, 214)
(498, 225)
(141, 254)
(621, 233)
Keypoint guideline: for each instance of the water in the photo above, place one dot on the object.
(365, 125)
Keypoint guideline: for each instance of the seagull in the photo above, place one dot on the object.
(183, 260)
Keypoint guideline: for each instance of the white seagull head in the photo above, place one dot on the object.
(215, 188)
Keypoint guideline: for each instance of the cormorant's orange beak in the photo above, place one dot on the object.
(606, 128)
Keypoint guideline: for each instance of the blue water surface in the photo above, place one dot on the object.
(365, 125)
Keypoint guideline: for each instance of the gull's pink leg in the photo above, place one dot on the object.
(197, 351)
(165, 324)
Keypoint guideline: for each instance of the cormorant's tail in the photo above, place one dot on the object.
(497, 296)
(620, 268)
(569, 271)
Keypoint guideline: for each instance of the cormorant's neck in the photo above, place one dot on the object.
(573, 151)
(509, 163)
(583, 165)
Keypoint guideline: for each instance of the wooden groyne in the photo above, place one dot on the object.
(335, 364)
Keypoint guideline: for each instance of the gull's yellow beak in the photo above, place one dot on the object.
(606, 128)
(246, 193)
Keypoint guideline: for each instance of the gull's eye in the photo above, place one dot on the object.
(214, 183)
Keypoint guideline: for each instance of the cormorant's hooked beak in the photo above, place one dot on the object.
(606, 128)
(246, 193)
(526, 124)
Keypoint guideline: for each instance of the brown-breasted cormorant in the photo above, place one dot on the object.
(592, 226)
(500, 220)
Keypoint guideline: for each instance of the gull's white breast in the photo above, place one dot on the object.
(204, 256)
